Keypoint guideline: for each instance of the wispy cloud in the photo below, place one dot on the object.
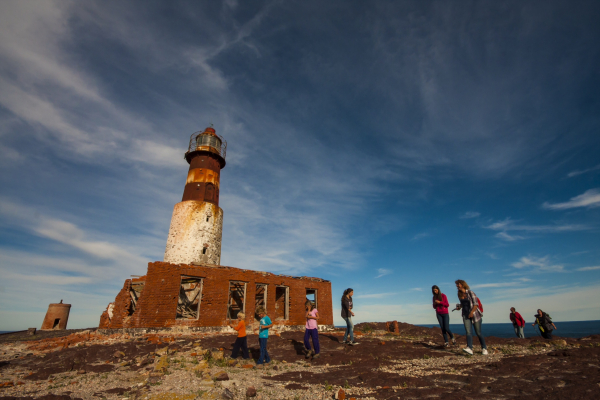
(383, 272)
(470, 214)
(591, 198)
(417, 289)
(508, 225)
(576, 173)
(595, 268)
(420, 236)
(507, 237)
(538, 264)
(493, 285)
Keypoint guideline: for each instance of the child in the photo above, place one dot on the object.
(312, 330)
(263, 336)
(242, 339)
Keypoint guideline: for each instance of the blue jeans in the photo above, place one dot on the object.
(349, 329)
(469, 325)
(519, 331)
(314, 334)
(444, 320)
(264, 356)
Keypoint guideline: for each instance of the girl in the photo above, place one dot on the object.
(312, 331)
(347, 314)
(471, 316)
(440, 303)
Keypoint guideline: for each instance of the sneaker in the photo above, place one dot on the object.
(352, 343)
(453, 341)
(484, 352)
(309, 353)
(447, 344)
(468, 350)
(316, 356)
(344, 342)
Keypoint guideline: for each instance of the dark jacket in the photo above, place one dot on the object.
(544, 322)
(346, 307)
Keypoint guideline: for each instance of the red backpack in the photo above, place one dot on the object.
(478, 301)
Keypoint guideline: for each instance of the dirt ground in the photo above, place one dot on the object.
(409, 364)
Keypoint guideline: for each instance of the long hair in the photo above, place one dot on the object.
(437, 296)
(463, 283)
(346, 292)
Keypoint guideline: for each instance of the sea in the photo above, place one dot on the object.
(571, 329)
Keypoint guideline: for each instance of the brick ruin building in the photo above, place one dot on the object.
(190, 288)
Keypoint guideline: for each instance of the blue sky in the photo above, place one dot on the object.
(385, 146)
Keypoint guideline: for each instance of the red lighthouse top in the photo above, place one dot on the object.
(207, 142)
(210, 131)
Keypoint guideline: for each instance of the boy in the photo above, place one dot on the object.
(242, 339)
(263, 336)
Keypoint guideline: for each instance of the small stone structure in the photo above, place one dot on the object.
(57, 316)
(211, 296)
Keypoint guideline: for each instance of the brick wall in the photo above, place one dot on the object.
(157, 304)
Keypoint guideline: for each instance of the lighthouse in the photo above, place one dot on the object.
(197, 222)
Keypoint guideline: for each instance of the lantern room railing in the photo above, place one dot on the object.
(201, 141)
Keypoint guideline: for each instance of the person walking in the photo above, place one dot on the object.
(518, 322)
(311, 331)
(545, 324)
(440, 304)
(471, 315)
(242, 339)
(263, 337)
(347, 315)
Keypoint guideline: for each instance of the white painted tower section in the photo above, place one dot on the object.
(195, 234)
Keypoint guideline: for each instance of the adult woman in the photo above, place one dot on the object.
(471, 315)
(545, 324)
(440, 303)
(347, 315)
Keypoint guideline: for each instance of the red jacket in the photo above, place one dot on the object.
(441, 308)
(517, 319)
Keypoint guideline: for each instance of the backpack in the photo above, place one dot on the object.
(478, 301)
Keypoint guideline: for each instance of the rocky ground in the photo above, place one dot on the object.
(411, 363)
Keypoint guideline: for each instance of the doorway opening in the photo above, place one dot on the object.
(56, 323)
(311, 295)
(237, 299)
(260, 299)
(282, 302)
(190, 294)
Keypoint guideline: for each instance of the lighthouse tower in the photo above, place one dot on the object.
(197, 222)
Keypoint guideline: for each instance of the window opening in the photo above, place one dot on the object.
(282, 302)
(237, 299)
(204, 250)
(209, 193)
(311, 295)
(135, 291)
(260, 299)
(56, 322)
(207, 218)
(190, 295)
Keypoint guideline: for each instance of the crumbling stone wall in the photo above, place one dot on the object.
(157, 304)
